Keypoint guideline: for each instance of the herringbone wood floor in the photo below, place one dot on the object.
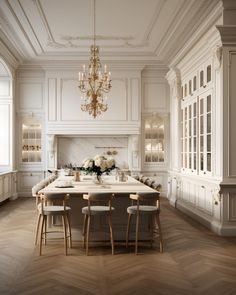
(195, 261)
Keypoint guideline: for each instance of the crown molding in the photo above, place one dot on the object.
(205, 32)
(76, 65)
(227, 34)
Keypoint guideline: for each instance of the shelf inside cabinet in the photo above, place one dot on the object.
(31, 143)
(154, 147)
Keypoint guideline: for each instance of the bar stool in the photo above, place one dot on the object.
(143, 207)
(104, 208)
(52, 205)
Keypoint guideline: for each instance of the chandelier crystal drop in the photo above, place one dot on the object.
(94, 83)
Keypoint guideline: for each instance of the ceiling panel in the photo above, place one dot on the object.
(64, 28)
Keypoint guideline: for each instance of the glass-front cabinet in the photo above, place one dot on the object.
(31, 142)
(154, 139)
(196, 124)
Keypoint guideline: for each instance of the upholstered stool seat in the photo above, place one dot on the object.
(94, 210)
(143, 209)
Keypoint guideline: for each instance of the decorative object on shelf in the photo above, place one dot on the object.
(98, 165)
(94, 83)
(109, 152)
(31, 141)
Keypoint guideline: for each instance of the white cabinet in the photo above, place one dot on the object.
(196, 122)
(30, 152)
(26, 180)
(7, 186)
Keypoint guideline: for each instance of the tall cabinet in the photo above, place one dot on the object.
(31, 130)
(196, 88)
(155, 125)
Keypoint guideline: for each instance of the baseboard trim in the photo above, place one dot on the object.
(208, 221)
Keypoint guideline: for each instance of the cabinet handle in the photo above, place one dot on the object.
(31, 174)
(202, 186)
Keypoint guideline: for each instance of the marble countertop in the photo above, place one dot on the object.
(87, 185)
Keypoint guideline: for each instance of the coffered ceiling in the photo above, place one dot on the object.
(151, 30)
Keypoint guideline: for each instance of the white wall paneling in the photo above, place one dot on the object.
(30, 94)
(155, 95)
(52, 102)
(232, 207)
(64, 105)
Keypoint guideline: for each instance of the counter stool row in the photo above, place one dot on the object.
(52, 205)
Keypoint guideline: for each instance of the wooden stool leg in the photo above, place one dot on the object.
(128, 230)
(160, 232)
(37, 229)
(87, 238)
(65, 232)
(41, 235)
(136, 234)
(84, 230)
(111, 234)
(69, 230)
(152, 223)
(45, 229)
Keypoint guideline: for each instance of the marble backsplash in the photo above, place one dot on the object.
(75, 149)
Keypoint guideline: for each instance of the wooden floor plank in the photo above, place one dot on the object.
(195, 261)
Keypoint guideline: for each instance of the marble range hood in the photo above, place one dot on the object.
(73, 149)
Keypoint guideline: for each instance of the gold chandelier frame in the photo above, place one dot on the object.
(93, 82)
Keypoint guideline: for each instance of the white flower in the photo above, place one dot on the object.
(88, 163)
(110, 162)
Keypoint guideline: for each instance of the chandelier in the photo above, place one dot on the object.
(94, 83)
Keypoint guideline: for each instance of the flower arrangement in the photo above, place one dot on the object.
(98, 165)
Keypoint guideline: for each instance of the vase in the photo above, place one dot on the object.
(98, 179)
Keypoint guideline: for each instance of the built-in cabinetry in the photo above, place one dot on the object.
(196, 122)
(196, 189)
(30, 156)
(31, 142)
(8, 182)
(154, 139)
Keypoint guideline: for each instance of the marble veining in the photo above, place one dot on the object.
(75, 149)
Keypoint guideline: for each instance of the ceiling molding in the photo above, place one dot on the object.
(205, 30)
(34, 32)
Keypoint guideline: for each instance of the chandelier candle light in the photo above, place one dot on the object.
(94, 83)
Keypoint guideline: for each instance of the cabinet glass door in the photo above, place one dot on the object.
(31, 143)
(154, 140)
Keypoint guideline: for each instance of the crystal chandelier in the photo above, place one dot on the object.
(93, 83)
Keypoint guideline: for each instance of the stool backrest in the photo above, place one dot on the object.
(100, 196)
(105, 198)
(146, 198)
(54, 199)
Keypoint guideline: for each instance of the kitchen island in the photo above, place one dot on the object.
(121, 201)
